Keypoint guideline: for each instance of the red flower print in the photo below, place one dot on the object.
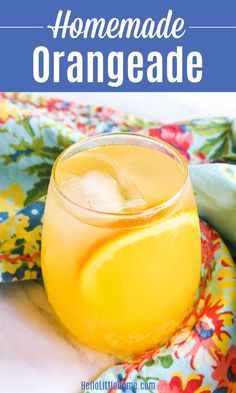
(193, 384)
(225, 371)
(210, 243)
(80, 126)
(138, 361)
(201, 343)
(91, 129)
(51, 104)
(201, 157)
(98, 109)
(180, 136)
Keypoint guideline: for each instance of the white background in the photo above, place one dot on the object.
(166, 107)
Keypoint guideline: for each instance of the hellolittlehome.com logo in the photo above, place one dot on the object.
(123, 386)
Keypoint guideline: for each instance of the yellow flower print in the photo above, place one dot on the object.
(6, 111)
(15, 228)
(10, 111)
(28, 271)
(12, 198)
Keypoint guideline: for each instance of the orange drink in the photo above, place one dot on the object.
(121, 251)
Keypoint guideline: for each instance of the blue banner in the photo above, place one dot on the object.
(129, 45)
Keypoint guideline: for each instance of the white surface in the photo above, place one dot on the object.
(36, 354)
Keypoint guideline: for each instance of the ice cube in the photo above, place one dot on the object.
(101, 192)
(106, 189)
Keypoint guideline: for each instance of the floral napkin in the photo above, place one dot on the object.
(201, 356)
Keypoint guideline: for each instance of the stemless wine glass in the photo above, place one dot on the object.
(121, 252)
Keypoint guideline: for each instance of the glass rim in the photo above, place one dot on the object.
(73, 149)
